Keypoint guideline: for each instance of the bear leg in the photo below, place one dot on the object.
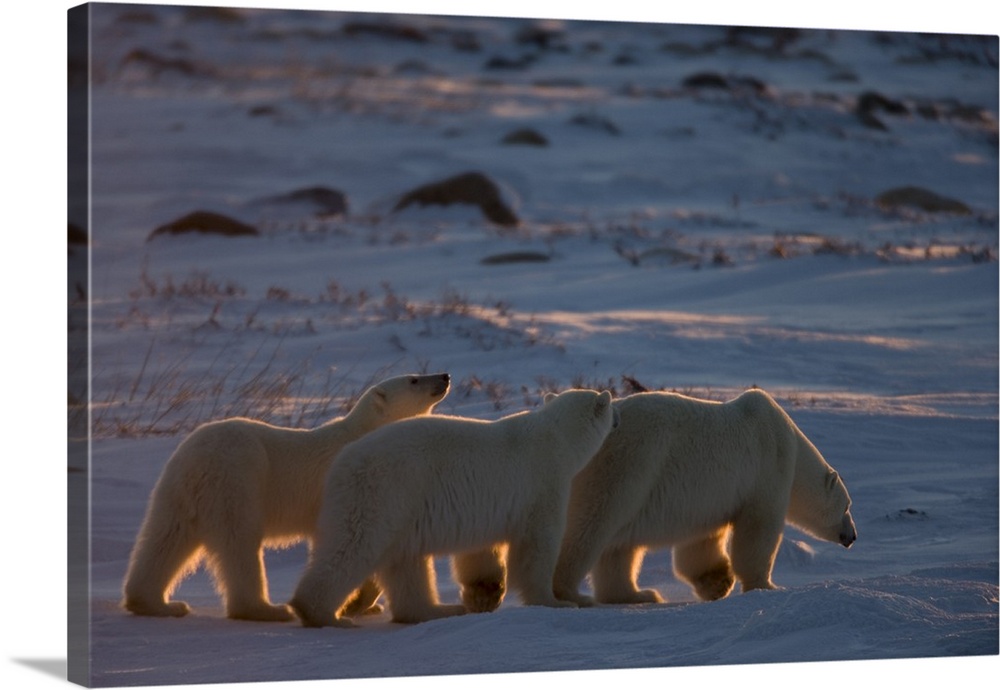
(598, 508)
(238, 567)
(531, 563)
(576, 556)
(411, 586)
(364, 601)
(704, 564)
(165, 551)
(354, 532)
(575, 559)
(321, 593)
(756, 537)
(614, 577)
(483, 578)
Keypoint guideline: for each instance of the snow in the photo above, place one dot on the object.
(719, 240)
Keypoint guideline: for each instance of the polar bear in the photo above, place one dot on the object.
(716, 481)
(236, 485)
(442, 485)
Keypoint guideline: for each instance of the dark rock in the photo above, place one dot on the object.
(668, 254)
(770, 40)
(844, 75)
(396, 32)
(713, 80)
(471, 188)
(982, 255)
(206, 222)
(136, 17)
(920, 198)
(412, 67)
(540, 36)
(595, 122)
(705, 80)
(681, 49)
(465, 42)
(328, 202)
(500, 62)
(157, 64)
(871, 102)
(558, 83)
(263, 111)
(525, 137)
(908, 514)
(515, 258)
(972, 114)
(222, 15)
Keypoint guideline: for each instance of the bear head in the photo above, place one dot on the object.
(405, 396)
(820, 504)
(583, 417)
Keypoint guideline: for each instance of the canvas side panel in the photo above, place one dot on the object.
(78, 343)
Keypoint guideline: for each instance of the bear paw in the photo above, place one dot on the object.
(571, 594)
(642, 596)
(483, 596)
(359, 607)
(262, 612)
(560, 604)
(715, 584)
(429, 613)
(363, 602)
(311, 619)
(175, 609)
(649, 596)
(748, 586)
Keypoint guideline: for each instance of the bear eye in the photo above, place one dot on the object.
(413, 380)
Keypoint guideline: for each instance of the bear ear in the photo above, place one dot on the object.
(831, 480)
(381, 399)
(603, 401)
(548, 397)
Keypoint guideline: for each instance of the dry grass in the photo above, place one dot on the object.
(210, 351)
(175, 397)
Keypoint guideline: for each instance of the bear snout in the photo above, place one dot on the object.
(443, 385)
(848, 533)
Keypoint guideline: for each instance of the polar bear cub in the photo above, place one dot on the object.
(441, 485)
(716, 481)
(236, 485)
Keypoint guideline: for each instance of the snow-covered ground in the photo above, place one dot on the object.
(705, 217)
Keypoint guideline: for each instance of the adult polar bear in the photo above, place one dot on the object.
(716, 481)
(438, 485)
(237, 485)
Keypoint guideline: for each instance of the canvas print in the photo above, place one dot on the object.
(410, 345)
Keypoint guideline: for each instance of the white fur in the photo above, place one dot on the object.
(440, 485)
(716, 481)
(236, 485)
